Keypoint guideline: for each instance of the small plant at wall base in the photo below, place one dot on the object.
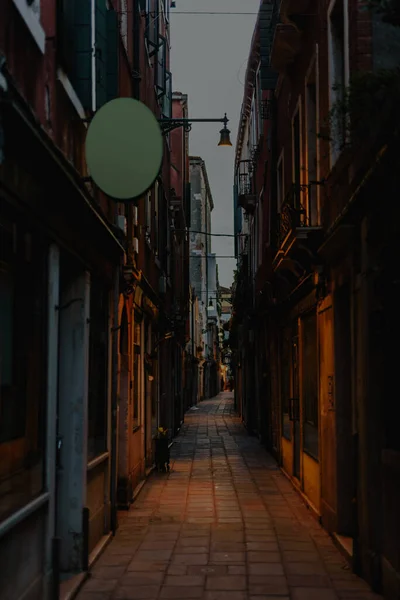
(363, 104)
(162, 450)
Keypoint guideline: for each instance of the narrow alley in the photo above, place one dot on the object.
(225, 523)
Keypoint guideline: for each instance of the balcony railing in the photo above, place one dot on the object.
(245, 185)
(299, 210)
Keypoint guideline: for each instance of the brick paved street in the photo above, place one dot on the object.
(224, 525)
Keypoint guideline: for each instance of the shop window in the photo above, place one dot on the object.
(310, 383)
(23, 324)
(98, 369)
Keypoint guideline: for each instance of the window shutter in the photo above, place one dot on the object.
(161, 66)
(167, 100)
(81, 50)
(153, 27)
(66, 35)
(101, 52)
(267, 31)
(112, 54)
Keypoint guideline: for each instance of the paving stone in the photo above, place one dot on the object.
(234, 582)
(262, 546)
(237, 569)
(139, 566)
(309, 581)
(227, 557)
(304, 593)
(269, 597)
(185, 580)
(209, 570)
(153, 555)
(307, 568)
(224, 595)
(266, 569)
(101, 585)
(143, 592)
(190, 559)
(268, 584)
(131, 578)
(181, 592)
(100, 572)
(94, 596)
(263, 557)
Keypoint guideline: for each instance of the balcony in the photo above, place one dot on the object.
(245, 185)
(298, 228)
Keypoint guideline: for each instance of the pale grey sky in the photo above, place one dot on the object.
(208, 62)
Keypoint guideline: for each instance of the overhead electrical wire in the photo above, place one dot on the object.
(187, 12)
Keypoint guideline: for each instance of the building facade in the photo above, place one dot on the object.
(203, 276)
(315, 273)
(92, 333)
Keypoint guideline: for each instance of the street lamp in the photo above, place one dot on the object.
(168, 125)
(210, 304)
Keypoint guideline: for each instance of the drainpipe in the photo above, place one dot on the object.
(114, 405)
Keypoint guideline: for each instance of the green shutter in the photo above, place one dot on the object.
(101, 52)
(81, 62)
(66, 35)
(112, 54)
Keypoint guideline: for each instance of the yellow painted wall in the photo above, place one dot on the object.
(287, 456)
(312, 480)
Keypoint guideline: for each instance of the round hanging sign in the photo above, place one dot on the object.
(124, 148)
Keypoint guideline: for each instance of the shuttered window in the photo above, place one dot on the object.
(75, 49)
(161, 66)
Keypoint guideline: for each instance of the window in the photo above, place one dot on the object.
(137, 361)
(74, 31)
(152, 26)
(98, 369)
(280, 187)
(23, 325)
(147, 210)
(337, 75)
(156, 216)
(124, 23)
(310, 383)
(258, 95)
(161, 74)
(296, 158)
(260, 228)
(312, 157)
